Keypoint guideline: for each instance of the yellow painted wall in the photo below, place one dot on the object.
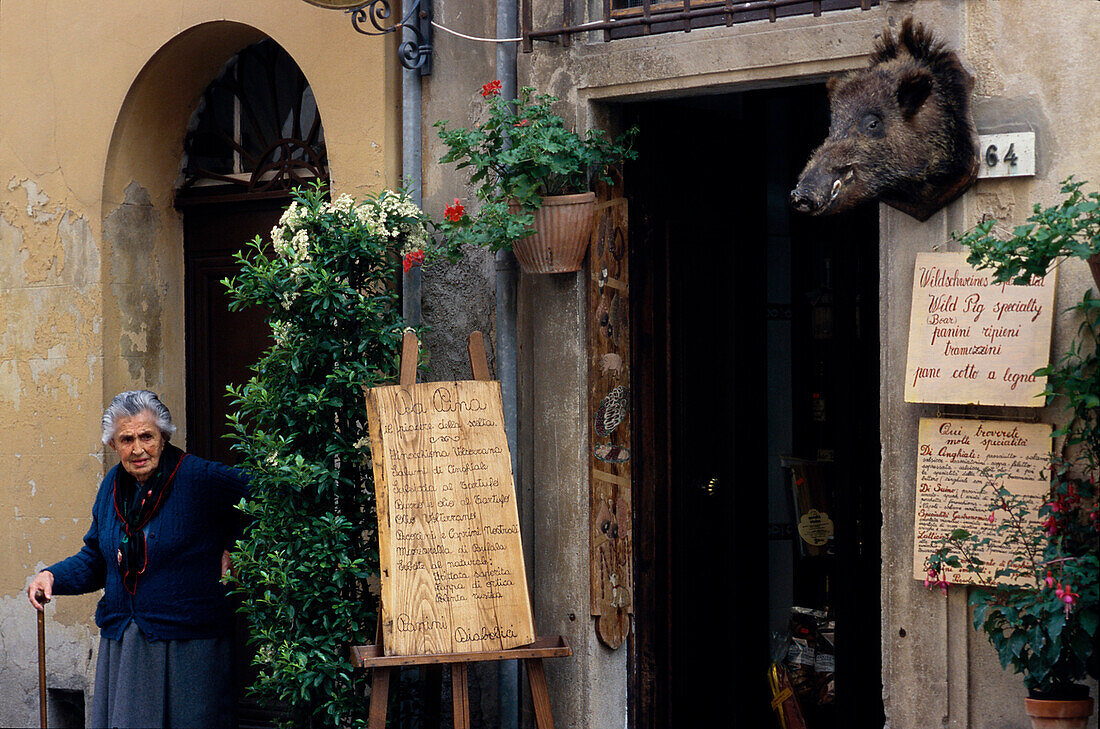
(94, 103)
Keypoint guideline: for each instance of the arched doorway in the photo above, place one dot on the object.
(256, 135)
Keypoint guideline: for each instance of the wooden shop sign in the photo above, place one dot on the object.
(957, 460)
(973, 341)
(453, 578)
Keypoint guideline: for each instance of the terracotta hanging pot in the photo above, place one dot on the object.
(562, 227)
(1094, 264)
(1053, 714)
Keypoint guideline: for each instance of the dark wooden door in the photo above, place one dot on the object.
(725, 287)
(222, 345)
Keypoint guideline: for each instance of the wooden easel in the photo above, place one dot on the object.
(374, 658)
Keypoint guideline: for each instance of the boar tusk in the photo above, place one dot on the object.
(837, 184)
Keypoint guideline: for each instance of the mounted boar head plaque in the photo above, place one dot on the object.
(900, 132)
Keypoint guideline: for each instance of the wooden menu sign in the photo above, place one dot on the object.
(453, 578)
(955, 458)
(973, 341)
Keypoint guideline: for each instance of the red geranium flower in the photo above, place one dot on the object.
(454, 212)
(413, 258)
(491, 89)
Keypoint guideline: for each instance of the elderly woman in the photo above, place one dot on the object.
(161, 523)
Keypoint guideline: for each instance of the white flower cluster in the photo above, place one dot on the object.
(392, 215)
(283, 330)
(343, 204)
(288, 299)
(395, 216)
(288, 238)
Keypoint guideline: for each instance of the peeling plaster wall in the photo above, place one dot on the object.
(50, 367)
(96, 99)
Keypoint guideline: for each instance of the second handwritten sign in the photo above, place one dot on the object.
(960, 465)
(453, 578)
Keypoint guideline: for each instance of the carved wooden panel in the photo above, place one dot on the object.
(609, 407)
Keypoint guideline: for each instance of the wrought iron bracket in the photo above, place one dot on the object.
(377, 17)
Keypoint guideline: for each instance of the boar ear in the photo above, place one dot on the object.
(914, 86)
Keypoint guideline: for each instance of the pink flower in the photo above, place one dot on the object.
(1050, 579)
(491, 89)
(1069, 598)
(992, 517)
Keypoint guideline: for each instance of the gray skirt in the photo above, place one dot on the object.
(165, 683)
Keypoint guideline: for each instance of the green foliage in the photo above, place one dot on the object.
(1069, 229)
(300, 423)
(522, 151)
(1075, 379)
(1047, 627)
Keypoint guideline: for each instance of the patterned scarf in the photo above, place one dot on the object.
(135, 505)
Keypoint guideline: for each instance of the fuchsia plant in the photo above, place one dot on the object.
(1045, 625)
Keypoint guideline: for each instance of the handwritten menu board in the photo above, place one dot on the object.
(975, 342)
(453, 578)
(955, 458)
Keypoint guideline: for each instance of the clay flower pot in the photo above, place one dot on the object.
(562, 227)
(1051, 714)
(1094, 266)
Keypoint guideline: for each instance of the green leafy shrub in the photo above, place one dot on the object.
(304, 565)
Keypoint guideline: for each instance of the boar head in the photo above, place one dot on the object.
(900, 132)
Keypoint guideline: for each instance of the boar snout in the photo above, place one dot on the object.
(819, 190)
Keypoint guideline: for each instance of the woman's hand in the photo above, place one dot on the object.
(227, 566)
(42, 583)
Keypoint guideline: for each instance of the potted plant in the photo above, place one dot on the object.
(533, 178)
(1041, 611)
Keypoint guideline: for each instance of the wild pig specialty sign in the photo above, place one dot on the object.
(973, 341)
(956, 458)
(453, 578)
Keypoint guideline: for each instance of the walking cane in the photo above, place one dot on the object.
(41, 598)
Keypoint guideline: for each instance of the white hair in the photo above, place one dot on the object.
(130, 404)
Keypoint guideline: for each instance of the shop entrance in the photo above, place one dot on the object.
(756, 365)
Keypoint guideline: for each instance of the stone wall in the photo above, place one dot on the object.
(1032, 64)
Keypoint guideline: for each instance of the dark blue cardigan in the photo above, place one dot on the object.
(179, 596)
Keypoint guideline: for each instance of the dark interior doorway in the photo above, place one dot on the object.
(757, 350)
(222, 345)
